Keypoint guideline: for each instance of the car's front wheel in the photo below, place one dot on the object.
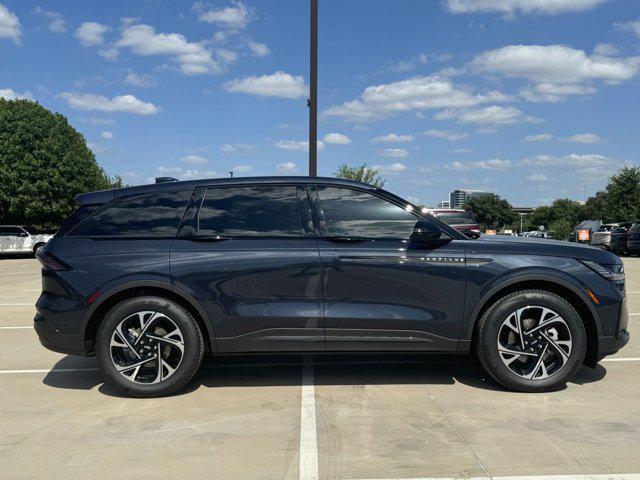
(149, 346)
(531, 341)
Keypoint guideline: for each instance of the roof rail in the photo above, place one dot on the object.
(165, 179)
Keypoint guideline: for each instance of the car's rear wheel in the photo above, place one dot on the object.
(148, 347)
(37, 246)
(531, 341)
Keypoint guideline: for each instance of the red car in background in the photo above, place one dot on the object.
(459, 219)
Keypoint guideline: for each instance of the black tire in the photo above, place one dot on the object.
(37, 246)
(191, 356)
(489, 328)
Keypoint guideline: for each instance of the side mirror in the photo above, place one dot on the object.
(427, 233)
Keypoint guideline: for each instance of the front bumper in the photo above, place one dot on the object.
(53, 340)
(610, 345)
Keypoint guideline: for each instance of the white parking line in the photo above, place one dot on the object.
(49, 370)
(622, 359)
(15, 328)
(622, 476)
(308, 436)
(17, 304)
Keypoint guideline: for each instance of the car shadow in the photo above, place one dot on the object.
(328, 369)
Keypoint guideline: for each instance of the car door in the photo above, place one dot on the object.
(249, 255)
(12, 239)
(381, 291)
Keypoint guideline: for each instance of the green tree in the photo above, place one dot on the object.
(44, 164)
(491, 211)
(561, 229)
(360, 174)
(623, 196)
(564, 210)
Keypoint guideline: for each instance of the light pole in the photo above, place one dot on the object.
(312, 102)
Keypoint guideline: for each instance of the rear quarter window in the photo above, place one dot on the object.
(149, 215)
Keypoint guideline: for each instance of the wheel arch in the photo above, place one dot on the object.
(552, 284)
(106, 302)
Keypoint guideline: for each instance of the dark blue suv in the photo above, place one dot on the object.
(150, 278)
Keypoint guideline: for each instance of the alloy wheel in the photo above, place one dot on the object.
(147, 347)
(534, 342)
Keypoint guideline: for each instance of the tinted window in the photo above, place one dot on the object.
(10, 231)
(456, 218)
(250, 212)
(354, 213)
(147, 215)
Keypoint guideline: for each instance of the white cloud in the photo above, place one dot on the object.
(287, 168)
(109, 53)
(414, 94)
(537, 177)
(606, 50)
(450, 136)
(556, 70)
(589, 138)
(279, 84)
(541, 137)
(492, 164)
(236, 16)
(554, 93)
(630, 26)
(295, 145)
(9, 25)
(336, 139)
(393, 169)
(11, 94)
(488, 116)
(120, 103)
(512, 7)
(237, 148)
(140, 80)
(462, 151)
(106, 135)
(57, 23)
(190, 174)
(258, 49)
(393, 138)
(194, 160)
(193, 58)
(242, 168)
(572, 160)
(91, 33)
(555, 64)
(394, 153)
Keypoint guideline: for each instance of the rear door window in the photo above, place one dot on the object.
(251, 211)
(148, 215)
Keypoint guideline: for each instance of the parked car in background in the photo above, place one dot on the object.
(461, 220)
(618, 242)
(602, 236)
(17, 239)
(148, 278)
(633, 239)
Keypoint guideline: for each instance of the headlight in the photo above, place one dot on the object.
(610, 272)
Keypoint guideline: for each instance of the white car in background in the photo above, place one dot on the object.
(16, 239)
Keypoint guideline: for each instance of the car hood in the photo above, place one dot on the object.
(540, 246)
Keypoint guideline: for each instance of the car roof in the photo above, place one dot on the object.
(104, 196)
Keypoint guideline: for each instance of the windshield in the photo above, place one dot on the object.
(456, 218)
(606, 228)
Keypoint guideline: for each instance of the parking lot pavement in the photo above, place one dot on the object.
(322, 417)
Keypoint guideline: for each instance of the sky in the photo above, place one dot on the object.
(531, 99)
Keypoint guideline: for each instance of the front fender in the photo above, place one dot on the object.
(478, 297)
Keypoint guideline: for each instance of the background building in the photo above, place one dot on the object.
(458, 197)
